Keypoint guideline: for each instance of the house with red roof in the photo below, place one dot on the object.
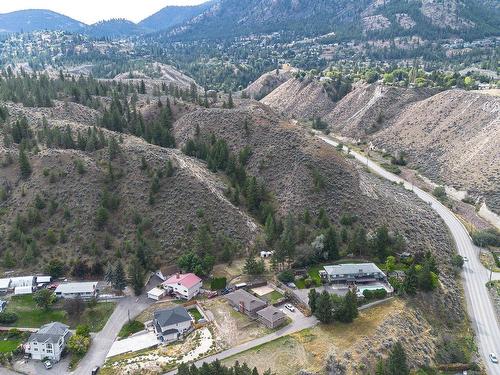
(185, 286)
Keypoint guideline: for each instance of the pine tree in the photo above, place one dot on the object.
(396, 363)
(136, 276)
(119, 280)
(270, 230)
(331, 243)
(349, 310)
(410, 283)
(324, 308)
(24, 163)
(251, 266)
(230, 103)
(313, 299)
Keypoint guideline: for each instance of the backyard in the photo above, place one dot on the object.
(9, 341)
(31, 316)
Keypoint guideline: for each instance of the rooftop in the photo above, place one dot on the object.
(84, 287)
(242, 296)
(187, 280)
(352, 269)
(156, 292)
(50, 332)
(173, 315)
(4, 283)
(271, 313)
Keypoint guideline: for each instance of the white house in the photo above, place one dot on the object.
(156, 293)
(85, 290)
(48, 342)
(172, 324)
(185, 286)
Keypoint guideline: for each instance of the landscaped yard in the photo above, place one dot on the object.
(30, 315)
(273, 297)
(9, 345)
(195, 314)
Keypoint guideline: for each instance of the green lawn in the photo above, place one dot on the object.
(96, 317)
(30, 315)
(9, 345)
(313, 273)
(300, 284)
(195, 314)
(273, 297)
(131, 328)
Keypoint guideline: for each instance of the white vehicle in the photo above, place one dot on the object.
(47, 364)
(290, 307)
(465, 259)
(493, 358)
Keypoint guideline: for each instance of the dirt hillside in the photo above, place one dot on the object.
(453, 138)
(370, 107)
(301, 98)
(190, 198)
(268, 82)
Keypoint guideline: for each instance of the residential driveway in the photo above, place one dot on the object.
(141, 340)
(303, 294)
(101, 342)
(35, 367)
(294, 315)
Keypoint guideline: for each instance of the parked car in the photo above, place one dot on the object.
(292, 285)
(290, 307)
(465, 259)
(493, 358)
(47, 364)
(95, 370)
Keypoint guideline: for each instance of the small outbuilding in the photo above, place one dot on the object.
(4, 285)
(23, 290)
(156, 293)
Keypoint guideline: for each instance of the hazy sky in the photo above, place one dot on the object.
(90, 11)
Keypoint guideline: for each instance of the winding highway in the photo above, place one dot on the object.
(475, 275)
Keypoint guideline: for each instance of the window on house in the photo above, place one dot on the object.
(49, 346)
(49, 350)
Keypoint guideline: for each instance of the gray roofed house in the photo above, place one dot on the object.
(245, 302)
(354, 272)
(172, 323)
(49, 341)
(271, 317)
(85, 290)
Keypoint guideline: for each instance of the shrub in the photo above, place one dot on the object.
(457, 261)
(8, 317)
(439, 192)
(488, 237)
(286, 276)
(391, 168)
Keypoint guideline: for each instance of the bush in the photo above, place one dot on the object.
(391, 168)
(286, 276)
(488, 237)
(457, 261)
(8, 317)
(375, 294)
(439, 192)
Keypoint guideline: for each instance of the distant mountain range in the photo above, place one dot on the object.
(348, 19)
(40, 19)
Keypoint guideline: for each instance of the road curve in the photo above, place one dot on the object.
(474, 276)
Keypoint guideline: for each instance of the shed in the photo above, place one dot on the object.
(156, 293)
(22, 281)
(4, 285)
(23, 290)
(40, 280)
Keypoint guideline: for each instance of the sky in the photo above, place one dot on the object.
(90, 11)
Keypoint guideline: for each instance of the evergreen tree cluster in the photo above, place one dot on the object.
(216, 368)
(330, 307)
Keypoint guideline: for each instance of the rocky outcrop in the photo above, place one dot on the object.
(267, 83)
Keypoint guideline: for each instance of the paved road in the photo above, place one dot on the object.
(102, 341)
(475, 275)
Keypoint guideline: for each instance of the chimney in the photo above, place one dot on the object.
(177, 275)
